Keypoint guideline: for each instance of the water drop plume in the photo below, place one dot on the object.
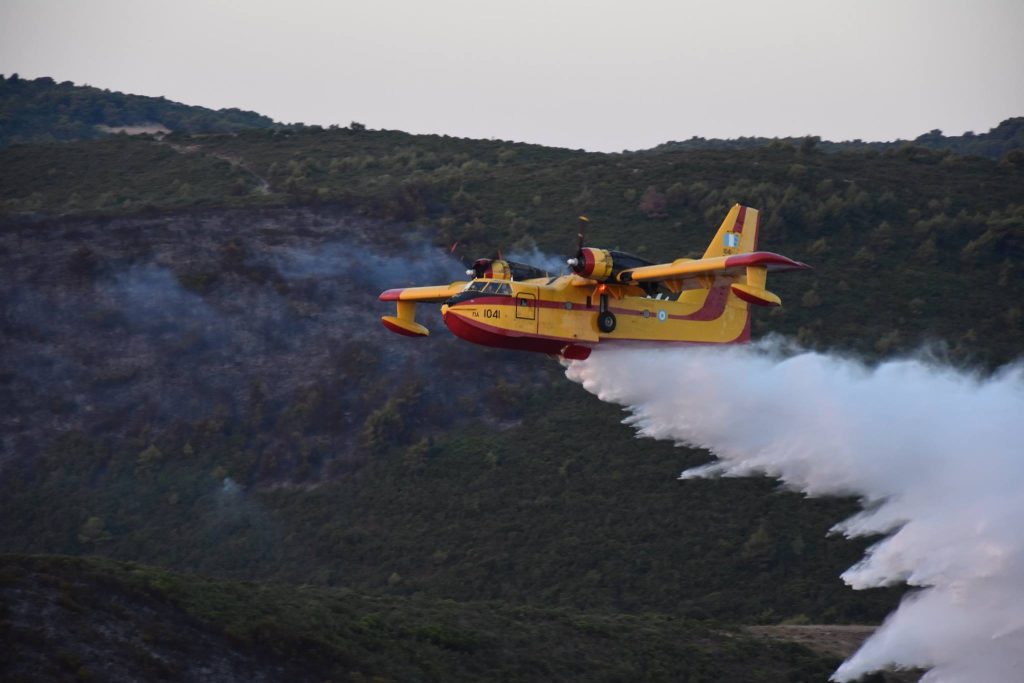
(934, 454)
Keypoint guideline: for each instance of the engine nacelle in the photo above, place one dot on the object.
(491, 268)
(603, 264)
(500, 269)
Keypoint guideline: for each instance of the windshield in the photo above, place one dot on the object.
(476, 288)
(502, 288)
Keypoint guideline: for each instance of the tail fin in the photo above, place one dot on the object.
(737, 234)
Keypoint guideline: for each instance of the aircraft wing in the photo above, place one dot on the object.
(434, 293)
(681, 269)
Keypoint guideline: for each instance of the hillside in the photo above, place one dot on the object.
(921, 236)
(213, 392)
(90, 619)
(42, 110)
(194, 378)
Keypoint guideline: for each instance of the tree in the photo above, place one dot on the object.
(927, 252)
(652, 203)
(759, 547)
(809, 144)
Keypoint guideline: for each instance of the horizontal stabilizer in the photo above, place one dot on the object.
(758, 296)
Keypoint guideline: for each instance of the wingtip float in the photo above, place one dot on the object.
(610, 297)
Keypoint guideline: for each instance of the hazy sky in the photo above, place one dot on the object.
(599, 75)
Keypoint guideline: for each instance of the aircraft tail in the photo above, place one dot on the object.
(737, 234)
(736, 241)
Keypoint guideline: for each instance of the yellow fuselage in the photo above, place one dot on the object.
(550, 315)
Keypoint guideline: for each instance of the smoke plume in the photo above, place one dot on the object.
(552, 264)
(933, 453)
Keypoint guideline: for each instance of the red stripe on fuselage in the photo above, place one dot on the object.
(511, 301)
(489, 335)
(713, 307)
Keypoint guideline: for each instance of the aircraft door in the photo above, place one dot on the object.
(526, 309)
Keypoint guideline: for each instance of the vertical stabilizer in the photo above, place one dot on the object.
(737, 234)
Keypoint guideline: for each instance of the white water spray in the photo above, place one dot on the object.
(934, 453)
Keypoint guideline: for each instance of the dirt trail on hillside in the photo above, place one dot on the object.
(838, 640)
(262, 184)
(841, 640)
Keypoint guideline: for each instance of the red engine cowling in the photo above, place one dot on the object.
(593, 263)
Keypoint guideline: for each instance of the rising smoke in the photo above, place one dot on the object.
(552, 264)
(933, 453)
(131, 326)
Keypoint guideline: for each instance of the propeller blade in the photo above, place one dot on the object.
(458, 251)
(581, 235)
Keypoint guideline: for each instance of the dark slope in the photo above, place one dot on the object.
(93, 619)
(214, 392)
(193, 377)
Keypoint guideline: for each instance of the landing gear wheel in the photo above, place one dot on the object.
(606, 321)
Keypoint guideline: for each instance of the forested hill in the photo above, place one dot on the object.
(194, 377)
(910, 245)
(42, 110)
(95, 620)
(1004, 139)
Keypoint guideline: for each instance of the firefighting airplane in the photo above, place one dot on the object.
(609, 298)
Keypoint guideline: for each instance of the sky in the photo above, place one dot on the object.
(596, 74)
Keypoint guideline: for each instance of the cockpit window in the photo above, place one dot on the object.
(478, 287)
